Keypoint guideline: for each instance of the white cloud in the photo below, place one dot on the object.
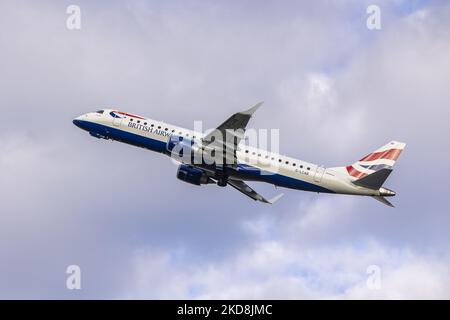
(274, 270)
(295, 259)
(315, 103)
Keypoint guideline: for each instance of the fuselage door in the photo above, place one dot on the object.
(319, 173)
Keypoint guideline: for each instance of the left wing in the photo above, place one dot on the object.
(245, 189)
(227, 136)
(237, 121)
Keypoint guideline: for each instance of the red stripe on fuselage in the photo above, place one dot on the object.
(130, 115)
(355, 173)
(391, 154)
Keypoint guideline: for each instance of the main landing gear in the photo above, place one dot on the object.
(221, 176)
(222, 182)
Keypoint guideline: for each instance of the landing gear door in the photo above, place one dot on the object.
(319, 173)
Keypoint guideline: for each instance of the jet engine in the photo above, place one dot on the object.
(193, 175)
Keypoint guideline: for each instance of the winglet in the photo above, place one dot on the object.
(252, 109)
(275, 199)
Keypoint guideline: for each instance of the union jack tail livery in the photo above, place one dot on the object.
(382, 158)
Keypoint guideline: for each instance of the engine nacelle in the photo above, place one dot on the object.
(193, 175)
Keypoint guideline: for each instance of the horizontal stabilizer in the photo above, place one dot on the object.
(383, 200)
(374, 180)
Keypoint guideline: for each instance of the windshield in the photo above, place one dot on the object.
(100, 111)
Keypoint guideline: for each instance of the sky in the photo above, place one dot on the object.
(336, 91)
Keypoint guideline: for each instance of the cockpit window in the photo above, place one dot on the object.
(112, 114)
(100, 111)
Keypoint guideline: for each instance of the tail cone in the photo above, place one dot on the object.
(385, 192)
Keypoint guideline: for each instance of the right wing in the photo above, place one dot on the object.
(245, 189)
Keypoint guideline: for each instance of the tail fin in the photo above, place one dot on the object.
(382, 158)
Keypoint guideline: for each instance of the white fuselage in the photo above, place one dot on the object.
(278, 169)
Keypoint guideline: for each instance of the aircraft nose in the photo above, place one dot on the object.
(76, 122)
(79, 121)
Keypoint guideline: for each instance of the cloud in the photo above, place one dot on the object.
(314, 100)
(272, 270)
(291, 259)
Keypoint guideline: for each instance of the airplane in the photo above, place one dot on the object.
(245, 163)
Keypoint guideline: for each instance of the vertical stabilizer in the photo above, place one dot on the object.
(382, 158)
